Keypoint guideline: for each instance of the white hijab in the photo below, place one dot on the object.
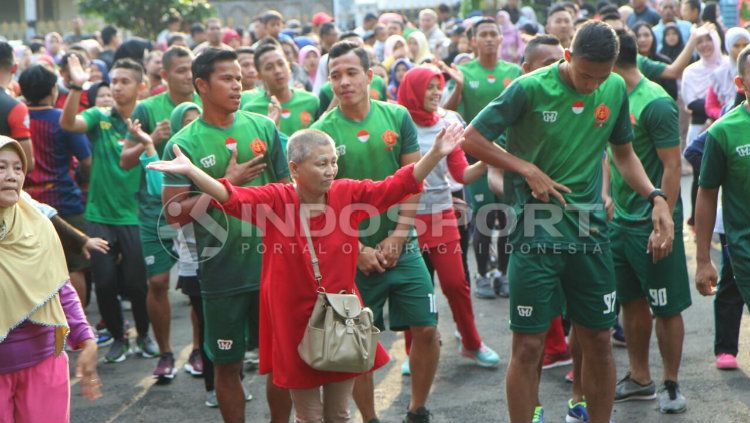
(697, 77)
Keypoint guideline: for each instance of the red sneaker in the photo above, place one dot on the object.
(556, 360)
(569, 377)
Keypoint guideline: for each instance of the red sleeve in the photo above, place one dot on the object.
(386, 193)
(457, 164)
(248, 203)
(713, 106)
(18, 121)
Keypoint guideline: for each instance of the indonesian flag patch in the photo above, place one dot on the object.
(231, 144)
(491, 79)
(363, 136)
(285, 113)
(578, 107)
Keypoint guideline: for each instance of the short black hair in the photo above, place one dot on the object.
(245, 50)
(595, 41)
(197, 28)
(174, 18)
(611, 17)
(370, 17)
(557, 7)
(177, 36)
(472, 32)
(130, 64)
(266, 48)
(327, 28)
(345, 47)
(610, 8)
(35, 47)
(36, 83)
(694, 4)
(66, 57)
(6, 56)
(173, 53)
(442, 7)
(627, 57)
(539, 40)
(603, 5)
(203, 65)
(742, 61)
(108, 32)
(271, 15)
(349, 34)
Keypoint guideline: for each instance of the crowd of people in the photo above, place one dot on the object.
(554, 150)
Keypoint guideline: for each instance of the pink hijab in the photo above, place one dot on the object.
(303, 54)
(511, 49)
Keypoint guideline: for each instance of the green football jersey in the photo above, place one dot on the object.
(651, 69)
(655, 118)
(377, 92)
(565, 134)
(726, 164)
(229, 249)
(150, 112)
(372, 149)
(112, 191)
(245, 96)
(297, 113)
(482, 85)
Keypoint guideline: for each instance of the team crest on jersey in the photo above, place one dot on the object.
(104, 125)
(341, 150)
(374, 94)
(224, 344)
(491, 79)
(285, 113)
(525, 311)
(601, 113)
(231, 143)
(549, 117)
(577, 107)
(208, 161)
(258, 146)
(507, 82)
(305, 118)
(632, 119)
(363, 135)
(743, 150)
(389, 138)
(473, 85)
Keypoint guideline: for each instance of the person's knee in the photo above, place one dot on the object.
(596, 344)
(425, 335)
(527, 348)
(158, 285)
(227, 371)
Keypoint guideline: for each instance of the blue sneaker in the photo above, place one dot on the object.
(484, 356)
(538, 415)
(405, 369)
(577, 413)
(618, 336)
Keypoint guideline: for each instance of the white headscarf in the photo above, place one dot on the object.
(697, 77)
(722, 79)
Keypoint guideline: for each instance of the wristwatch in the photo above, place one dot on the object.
(656, 193)
(75, 87)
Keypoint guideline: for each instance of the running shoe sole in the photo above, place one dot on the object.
(190, 370)
(558, 363)
(637, 398)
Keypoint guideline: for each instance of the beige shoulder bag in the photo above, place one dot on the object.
(340, 336)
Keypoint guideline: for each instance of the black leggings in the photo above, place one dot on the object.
(196, 302)
(128, 275)
(483, 238)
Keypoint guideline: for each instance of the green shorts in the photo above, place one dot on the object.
(408, 290)
(228, 321)
(158, 254)
(73, 255)
(665, 284)
(543, 285)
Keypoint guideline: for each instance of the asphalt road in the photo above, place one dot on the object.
(462, 392)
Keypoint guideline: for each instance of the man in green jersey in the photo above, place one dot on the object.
(558, 121)
(726, 165)
(474, 86)
(230, 249)
(373, 140)
(157, 236)
(112, 206)
(298, 107)
(644, 287)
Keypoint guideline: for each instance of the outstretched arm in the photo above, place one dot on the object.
(183, 166)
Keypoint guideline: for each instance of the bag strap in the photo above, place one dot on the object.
(313, 256)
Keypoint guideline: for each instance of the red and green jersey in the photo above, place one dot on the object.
(655, 119)
(297, 113)
(564, 133)
(229, 249)
(377, 92)
(482, 85)
(150, 112)
(726, 164)
(112, 193)
(372, 149)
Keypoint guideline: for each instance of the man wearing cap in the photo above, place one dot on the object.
(319, 19)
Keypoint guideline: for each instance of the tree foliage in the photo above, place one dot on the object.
(145, 17)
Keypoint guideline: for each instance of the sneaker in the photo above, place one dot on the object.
(252, 359)
(577, 413)
(618, 336)
(538, 415)
(629, 390)
(420, 415)
(211, 401)
(484, 356)
(405, 369)
(118, 351)
(726, 362)
(248, 395)
(103, 337)
(165, 370)
(570, 377)
(483, 288)
(500, 284)
(194, 365)
(146, 347)
(556, 360)
(671, 401)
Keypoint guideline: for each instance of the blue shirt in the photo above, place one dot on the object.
(51, 181)
(649, 15)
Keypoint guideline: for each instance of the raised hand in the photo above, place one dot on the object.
(454, 72)
(449, 138)
(78, 75)
(274, 110)
(180, 165)
(135, 129)
(162, 132)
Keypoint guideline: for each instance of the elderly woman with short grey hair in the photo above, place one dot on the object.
(333, 209)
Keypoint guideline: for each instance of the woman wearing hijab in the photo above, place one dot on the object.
(398, 70)
(419, 48)
(99, 72)
(722, 91)
(394, 49)
(673, 43)
(39, 309)
(308, 59)
(647, 48)
(695, 82)
(512, 45)
(420, 93)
